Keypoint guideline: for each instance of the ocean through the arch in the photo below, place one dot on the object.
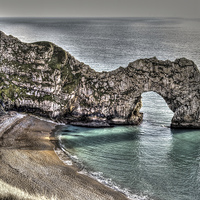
(155, 110)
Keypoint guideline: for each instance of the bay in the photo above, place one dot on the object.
(150, 159)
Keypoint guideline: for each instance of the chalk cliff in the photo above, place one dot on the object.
(44, 79)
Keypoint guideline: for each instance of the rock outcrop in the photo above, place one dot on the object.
(44, 79)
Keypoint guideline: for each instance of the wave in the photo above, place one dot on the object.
(111, 184)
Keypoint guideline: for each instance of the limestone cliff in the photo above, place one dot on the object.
(44, 79)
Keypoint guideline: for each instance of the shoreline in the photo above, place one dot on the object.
(29, 163)
(73, 160)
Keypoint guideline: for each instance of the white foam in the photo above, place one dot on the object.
(69, 159)
(64, 156)
(109, 183)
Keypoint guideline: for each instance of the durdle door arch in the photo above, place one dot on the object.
(177, 82)
(44, 79)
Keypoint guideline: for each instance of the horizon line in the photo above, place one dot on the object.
(98, 17)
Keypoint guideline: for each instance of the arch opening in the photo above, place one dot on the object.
(155, 109)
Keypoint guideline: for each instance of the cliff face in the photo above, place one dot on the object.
(44, 79)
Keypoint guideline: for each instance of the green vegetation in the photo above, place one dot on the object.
(28, 68)
(66, 72)
(11, 82)
(57, 59)
(71, 81)
(84, 103)
(22, 67)
(13, 92)
(45, 44)
(46, 98)
(53, 64)
(70, 86)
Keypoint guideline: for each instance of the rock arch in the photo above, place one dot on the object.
(44, 79)
(119, 92)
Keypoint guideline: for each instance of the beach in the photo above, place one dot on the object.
(29, 165)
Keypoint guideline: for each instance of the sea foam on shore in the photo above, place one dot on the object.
(70, 159)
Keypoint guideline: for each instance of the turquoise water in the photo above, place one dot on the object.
(150, 159)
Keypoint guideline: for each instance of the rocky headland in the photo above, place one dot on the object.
(43, 79)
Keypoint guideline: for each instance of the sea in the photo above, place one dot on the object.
(149, 161)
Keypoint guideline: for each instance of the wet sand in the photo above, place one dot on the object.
(28, 162)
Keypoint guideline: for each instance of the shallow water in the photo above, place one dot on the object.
(150, 159)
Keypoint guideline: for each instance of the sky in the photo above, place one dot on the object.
(100, 8)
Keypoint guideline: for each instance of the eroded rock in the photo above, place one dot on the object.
(44, 79)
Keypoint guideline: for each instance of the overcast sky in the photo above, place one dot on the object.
(100, 8)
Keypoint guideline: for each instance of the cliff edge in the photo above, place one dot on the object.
(43, 79)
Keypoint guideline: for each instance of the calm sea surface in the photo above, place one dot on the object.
(150, 159)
